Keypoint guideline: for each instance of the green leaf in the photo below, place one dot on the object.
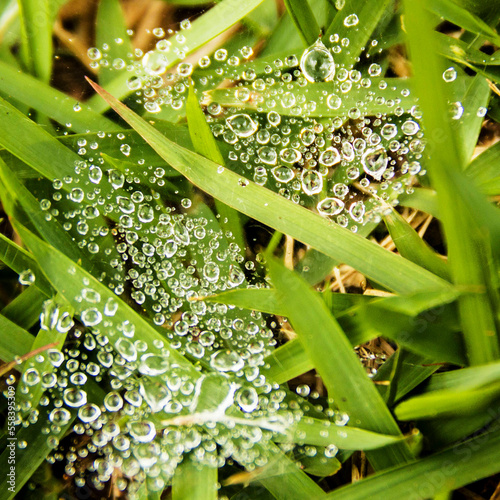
(334, 359)
(318, 93)
(51, 102)
(25, 309)
(465, 214)
(19, 260)
(463, 463)
(14, 341)
(194, 481)
(412, 247)
(205, 144)
(383, 267)
(304, 20)
(110, 26)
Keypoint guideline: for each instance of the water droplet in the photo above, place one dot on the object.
(74, 398)
(247, 399)
(317, 63)
(155, 63)
(312, 182)
(410, 127)
(242, 125)
(126, 349)
(375, 162)
(27, 277)
(235, 276)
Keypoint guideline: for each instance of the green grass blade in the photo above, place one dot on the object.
(449, 403)
(318, 93)
(25, 309)
(204, 143)
(15, 341)
(194, 481)
(463, 210)
(447, 470)
(383, 267)
(464, 18)
(36, 29)
(288, 361)
(211, 24)
(283, 478)
(333, 357)
(18, 259)
(110, 26)
(51, 102)
(38, 148)
(304, 20)
(412, 247)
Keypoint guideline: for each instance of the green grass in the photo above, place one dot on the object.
(197, 299)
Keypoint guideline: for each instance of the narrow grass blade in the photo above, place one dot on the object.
(110, 27)
(38, 148)
(333, 357)
(204, 143)
(304, 20)
(194, 481)
(68, 279)
(288, 361)
(464, 18)
(36, 29)
(468, 231)
(447, 470)
(369, 15)
(422, 199)
(412, 247)
(214, 22)
(51, 102)
(383, 267)
(414, 369)
(283, 478)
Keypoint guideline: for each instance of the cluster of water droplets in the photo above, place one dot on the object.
(325, 135)
(136, 406)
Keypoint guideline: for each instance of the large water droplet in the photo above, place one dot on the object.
(317, 63)
(330, 206)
